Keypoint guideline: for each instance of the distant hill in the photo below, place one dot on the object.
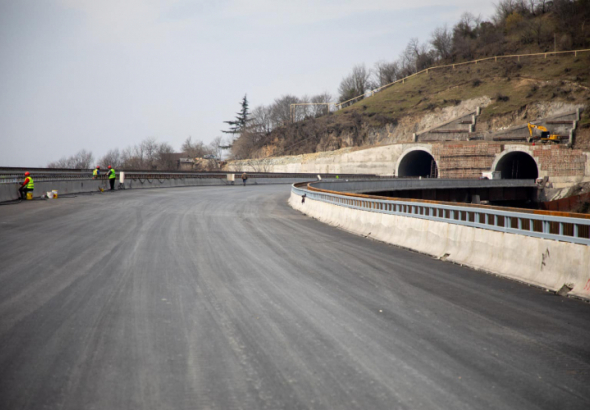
(512, 91)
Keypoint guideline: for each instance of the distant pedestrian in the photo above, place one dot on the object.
(27, 186)
(111, 176)
(244, 178)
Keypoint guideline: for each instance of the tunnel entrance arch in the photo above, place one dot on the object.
(517, 165)
(417, 163)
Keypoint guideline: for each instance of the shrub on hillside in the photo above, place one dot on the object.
(501, 97)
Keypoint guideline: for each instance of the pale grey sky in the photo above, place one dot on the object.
(102, 74)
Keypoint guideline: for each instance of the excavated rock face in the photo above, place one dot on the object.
(528, 113)
(361, 134)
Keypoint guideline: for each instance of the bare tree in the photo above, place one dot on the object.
(318, 110)
(386, 73)
(245, 146)
(126, 158)
(304, 111)
(215, 147)
(504, 8)
(81, 160)
(408, 57)
(148, 154)
(355, 84)
(261, 119)
(149, 147)
(415, 57)
(112, 157)
(467, 25)
(164, 160)
(442, 42)
(195, 149)
(536, 31)
(281, 110)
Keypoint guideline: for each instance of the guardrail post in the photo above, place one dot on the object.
(561, 228)
(576, 231)
(519, 224)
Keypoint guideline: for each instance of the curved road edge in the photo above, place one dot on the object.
(540, 262)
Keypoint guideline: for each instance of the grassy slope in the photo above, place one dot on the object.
(534, 79)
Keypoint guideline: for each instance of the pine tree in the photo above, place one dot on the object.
(241, 121)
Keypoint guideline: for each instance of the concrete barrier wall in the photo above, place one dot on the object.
(9, 192)
(541, 262)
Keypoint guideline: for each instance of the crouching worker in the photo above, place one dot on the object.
(26, 186)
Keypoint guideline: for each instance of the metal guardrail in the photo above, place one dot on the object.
(540, 224)
(15, 175)
(408, 184)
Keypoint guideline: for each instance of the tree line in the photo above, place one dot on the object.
(149, 154)
(253, 127)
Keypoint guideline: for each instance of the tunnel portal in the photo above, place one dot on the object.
(418, 163)
(517, 165)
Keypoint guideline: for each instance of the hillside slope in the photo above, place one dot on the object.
(512, 93)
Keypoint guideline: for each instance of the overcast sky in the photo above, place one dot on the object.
(102, 74)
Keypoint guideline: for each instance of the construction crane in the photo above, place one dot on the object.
(545, 135)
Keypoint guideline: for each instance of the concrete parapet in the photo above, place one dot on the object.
(9, 192)
(541, 262)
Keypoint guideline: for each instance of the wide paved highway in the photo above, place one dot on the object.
(226, 298)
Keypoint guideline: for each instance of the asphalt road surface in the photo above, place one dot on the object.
(226, 298)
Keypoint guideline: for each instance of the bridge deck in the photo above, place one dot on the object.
(226, 298)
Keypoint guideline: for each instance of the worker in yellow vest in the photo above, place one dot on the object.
(96, 172)
(26, 186)
(111, 176)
